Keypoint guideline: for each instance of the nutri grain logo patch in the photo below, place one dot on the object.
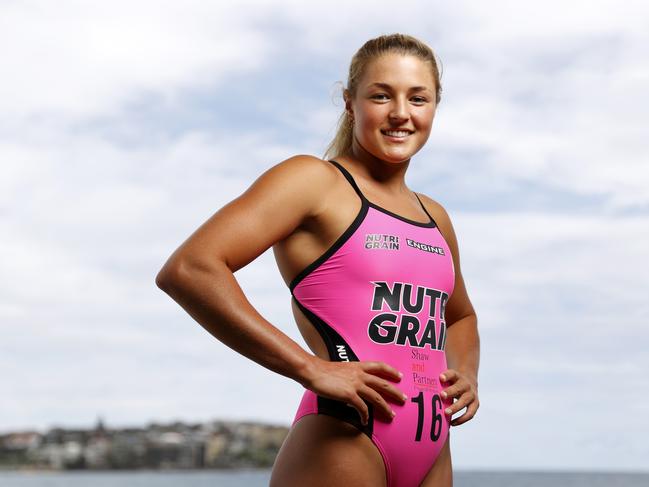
(381, 241)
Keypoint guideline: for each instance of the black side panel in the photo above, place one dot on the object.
(339, 351)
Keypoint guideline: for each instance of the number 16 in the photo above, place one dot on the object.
(436, 425)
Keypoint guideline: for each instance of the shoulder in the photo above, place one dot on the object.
(443, 220)
(307, 171)
(437, 211)
(306, 178)
(305, 164)
(301, 172)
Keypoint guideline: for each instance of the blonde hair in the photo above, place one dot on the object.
(371, 50)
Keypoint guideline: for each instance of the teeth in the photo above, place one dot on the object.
(397, 134)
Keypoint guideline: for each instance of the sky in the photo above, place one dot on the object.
(126, 125)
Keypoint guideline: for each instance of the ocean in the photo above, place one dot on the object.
(260, 478)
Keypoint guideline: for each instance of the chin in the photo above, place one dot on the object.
(392, 159)
(388, 153)
(391, 156)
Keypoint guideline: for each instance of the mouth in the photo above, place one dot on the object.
(397, 135)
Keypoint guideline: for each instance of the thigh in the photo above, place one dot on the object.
(321, 451)
(441, 473)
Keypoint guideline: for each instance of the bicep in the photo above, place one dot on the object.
(267, 212)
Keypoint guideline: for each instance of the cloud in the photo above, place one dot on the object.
(124, 127)
(75, 59)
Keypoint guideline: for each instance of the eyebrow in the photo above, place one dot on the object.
(388, 87)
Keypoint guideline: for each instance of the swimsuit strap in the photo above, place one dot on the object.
(424, 208)
(349, 178)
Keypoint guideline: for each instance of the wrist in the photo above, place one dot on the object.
(306, 370)
(470, 374)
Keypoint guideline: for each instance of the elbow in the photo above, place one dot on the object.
(165, 279)
(170, 276)
(161, 280)
(179, 274)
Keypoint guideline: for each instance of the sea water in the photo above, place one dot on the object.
(260, 478)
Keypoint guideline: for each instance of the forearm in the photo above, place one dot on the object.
(463, 346)
(216, 301)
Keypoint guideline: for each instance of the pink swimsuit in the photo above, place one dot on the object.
(379, 293)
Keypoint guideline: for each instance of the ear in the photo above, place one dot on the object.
(348, 100)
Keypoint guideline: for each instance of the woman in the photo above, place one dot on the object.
(377, 293)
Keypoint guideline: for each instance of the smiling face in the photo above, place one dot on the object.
(394, 107)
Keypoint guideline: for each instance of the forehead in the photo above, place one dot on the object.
(399, 71)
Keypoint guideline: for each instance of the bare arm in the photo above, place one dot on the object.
(215, 300)
(200, 273)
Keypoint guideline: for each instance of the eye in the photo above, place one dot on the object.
(382, 96)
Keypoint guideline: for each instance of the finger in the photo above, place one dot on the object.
(382, 369)
(384, 387)
(468, 415)
(448, 375)
(374, 397)
(455, 390)
(357, 403)
(461, 403)
(448, 393)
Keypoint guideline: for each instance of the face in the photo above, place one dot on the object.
(394, 107)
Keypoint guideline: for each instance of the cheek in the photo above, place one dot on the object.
(425, 120)
(371, 120)
(371, 114)
(369, 117)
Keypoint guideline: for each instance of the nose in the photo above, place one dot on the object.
(399, 111)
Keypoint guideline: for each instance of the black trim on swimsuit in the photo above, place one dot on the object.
(424, 208)
(340, 241)
(350, 178)
(365, 203)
